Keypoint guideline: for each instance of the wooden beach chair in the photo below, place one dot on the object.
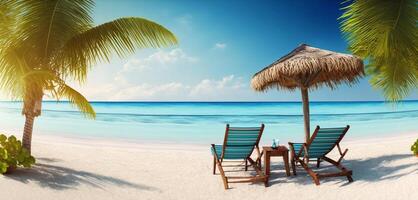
(239, 143)
(322, 142)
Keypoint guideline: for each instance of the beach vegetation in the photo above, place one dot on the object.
(414, 148)
(13, 154)
(384, 32)
(46, 44)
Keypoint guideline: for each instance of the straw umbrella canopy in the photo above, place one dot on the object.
(309, 68)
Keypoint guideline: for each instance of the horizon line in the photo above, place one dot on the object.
(193, 101)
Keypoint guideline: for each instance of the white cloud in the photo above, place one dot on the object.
(150, 92)
(226, 88)
(136, 64)
(220, 45)
(217, 88)
(157, 59)
(172, 56)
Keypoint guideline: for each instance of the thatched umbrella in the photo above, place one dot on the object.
(306, 68)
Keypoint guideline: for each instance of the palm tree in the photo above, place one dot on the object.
(44, 44)
(385, 33)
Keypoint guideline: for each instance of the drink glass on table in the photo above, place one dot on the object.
(277, 143)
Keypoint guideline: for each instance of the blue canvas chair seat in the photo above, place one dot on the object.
(323, 141)
(239, 143)
(231, 153)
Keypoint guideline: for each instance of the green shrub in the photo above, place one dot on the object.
(414, 148)
(13, 155)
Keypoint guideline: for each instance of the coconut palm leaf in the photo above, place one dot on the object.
(76, 99)
(56, 21)
(395, 77)
(121, 36)
(385, 32)
(7, 20)
(12, 69)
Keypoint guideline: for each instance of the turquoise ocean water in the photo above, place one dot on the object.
(204, 122)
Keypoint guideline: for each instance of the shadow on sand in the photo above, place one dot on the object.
(61, 178)
(366, 170)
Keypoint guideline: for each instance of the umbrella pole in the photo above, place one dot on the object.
(305, 101)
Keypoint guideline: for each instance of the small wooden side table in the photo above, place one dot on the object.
(279, 151)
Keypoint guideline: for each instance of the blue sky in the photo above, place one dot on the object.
(222, 44)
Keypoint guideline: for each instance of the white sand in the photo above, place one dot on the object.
(78, 169)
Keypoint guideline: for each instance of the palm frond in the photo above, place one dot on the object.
(385, 32)
(8, 20)
(46, 25)
(76, 99)
(12, 69)
(395, 79)
(121, 36)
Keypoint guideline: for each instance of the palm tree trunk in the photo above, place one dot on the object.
(27, 131)
(31, 109)
(305, 101)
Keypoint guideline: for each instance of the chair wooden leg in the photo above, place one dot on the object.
(214, 165)
(246, 165)
(350, 179)
(316, 180)
(221, 170)
(292, 161)
(318, 162)
(224, 178)
(310, 172)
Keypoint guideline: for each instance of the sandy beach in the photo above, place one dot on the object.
(97, 169)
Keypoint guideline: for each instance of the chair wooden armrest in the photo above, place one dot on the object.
(215, 154)
(342, 154)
